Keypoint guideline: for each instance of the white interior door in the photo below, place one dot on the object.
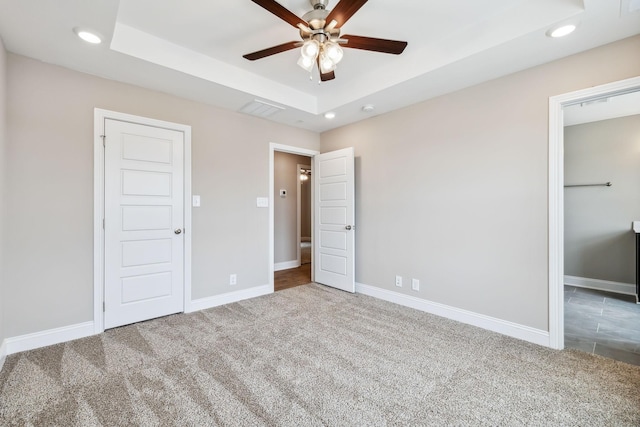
(334, 201)
(144, 216)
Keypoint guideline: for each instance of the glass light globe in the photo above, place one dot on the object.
(326, 64)
(333, 51)
(310, 49)
(306, 63)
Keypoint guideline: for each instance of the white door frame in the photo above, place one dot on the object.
(299, 209)
(556, 195)
(273, 147)
(99, 117)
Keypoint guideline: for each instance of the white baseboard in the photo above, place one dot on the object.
(515, 330)
(228, 298)
(48, 337)
(3, 353)
(286, 265)
(601, 285)
(68, 333)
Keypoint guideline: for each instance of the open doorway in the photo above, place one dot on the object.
(332, 215)
(601, 173)
(305, 223)
(292, 220)
(306, 157)
(558, 273)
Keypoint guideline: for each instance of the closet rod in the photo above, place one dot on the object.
(606, 184)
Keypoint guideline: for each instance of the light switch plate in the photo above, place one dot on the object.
(196, 201)
(262, 202)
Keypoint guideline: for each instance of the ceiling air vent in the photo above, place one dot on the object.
(260, 109)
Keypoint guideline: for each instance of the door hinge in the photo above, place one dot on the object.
(103, 223)
(104, 137)
(104, 307)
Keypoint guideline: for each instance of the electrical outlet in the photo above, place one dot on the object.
(415, 284)
(233, 279)
(399, 281)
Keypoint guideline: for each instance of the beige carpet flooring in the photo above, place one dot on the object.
(313, 356)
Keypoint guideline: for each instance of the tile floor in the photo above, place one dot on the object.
(602, 323)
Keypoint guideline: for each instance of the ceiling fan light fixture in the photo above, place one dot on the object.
(310, 49)
(306, 63)
(333, 51)
(326, 64)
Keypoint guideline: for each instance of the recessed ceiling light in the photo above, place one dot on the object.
(88, 36)
(330, 115)
(561, 31)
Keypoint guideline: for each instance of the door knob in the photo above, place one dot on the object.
(348, 227)
(177, 230)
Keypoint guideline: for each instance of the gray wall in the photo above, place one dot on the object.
(453, 191)
(599, 242)
(49, 203)
(285, 209)
(3, 127)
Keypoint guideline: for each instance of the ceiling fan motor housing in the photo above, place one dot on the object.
(317, 20)
(319, 4)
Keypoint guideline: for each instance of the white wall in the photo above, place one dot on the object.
(3, 127)
(49, 201)
(453, 191)
(285, 209)
(599, 242)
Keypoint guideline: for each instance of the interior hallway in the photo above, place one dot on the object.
(293, 277)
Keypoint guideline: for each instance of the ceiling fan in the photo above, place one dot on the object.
(320, 32)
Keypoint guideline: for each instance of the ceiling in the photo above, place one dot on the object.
(194, 49)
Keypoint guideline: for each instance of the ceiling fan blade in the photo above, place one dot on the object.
(271, 51)
(327, 76)
(344, 10)
(281, 12)
(377, 45)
